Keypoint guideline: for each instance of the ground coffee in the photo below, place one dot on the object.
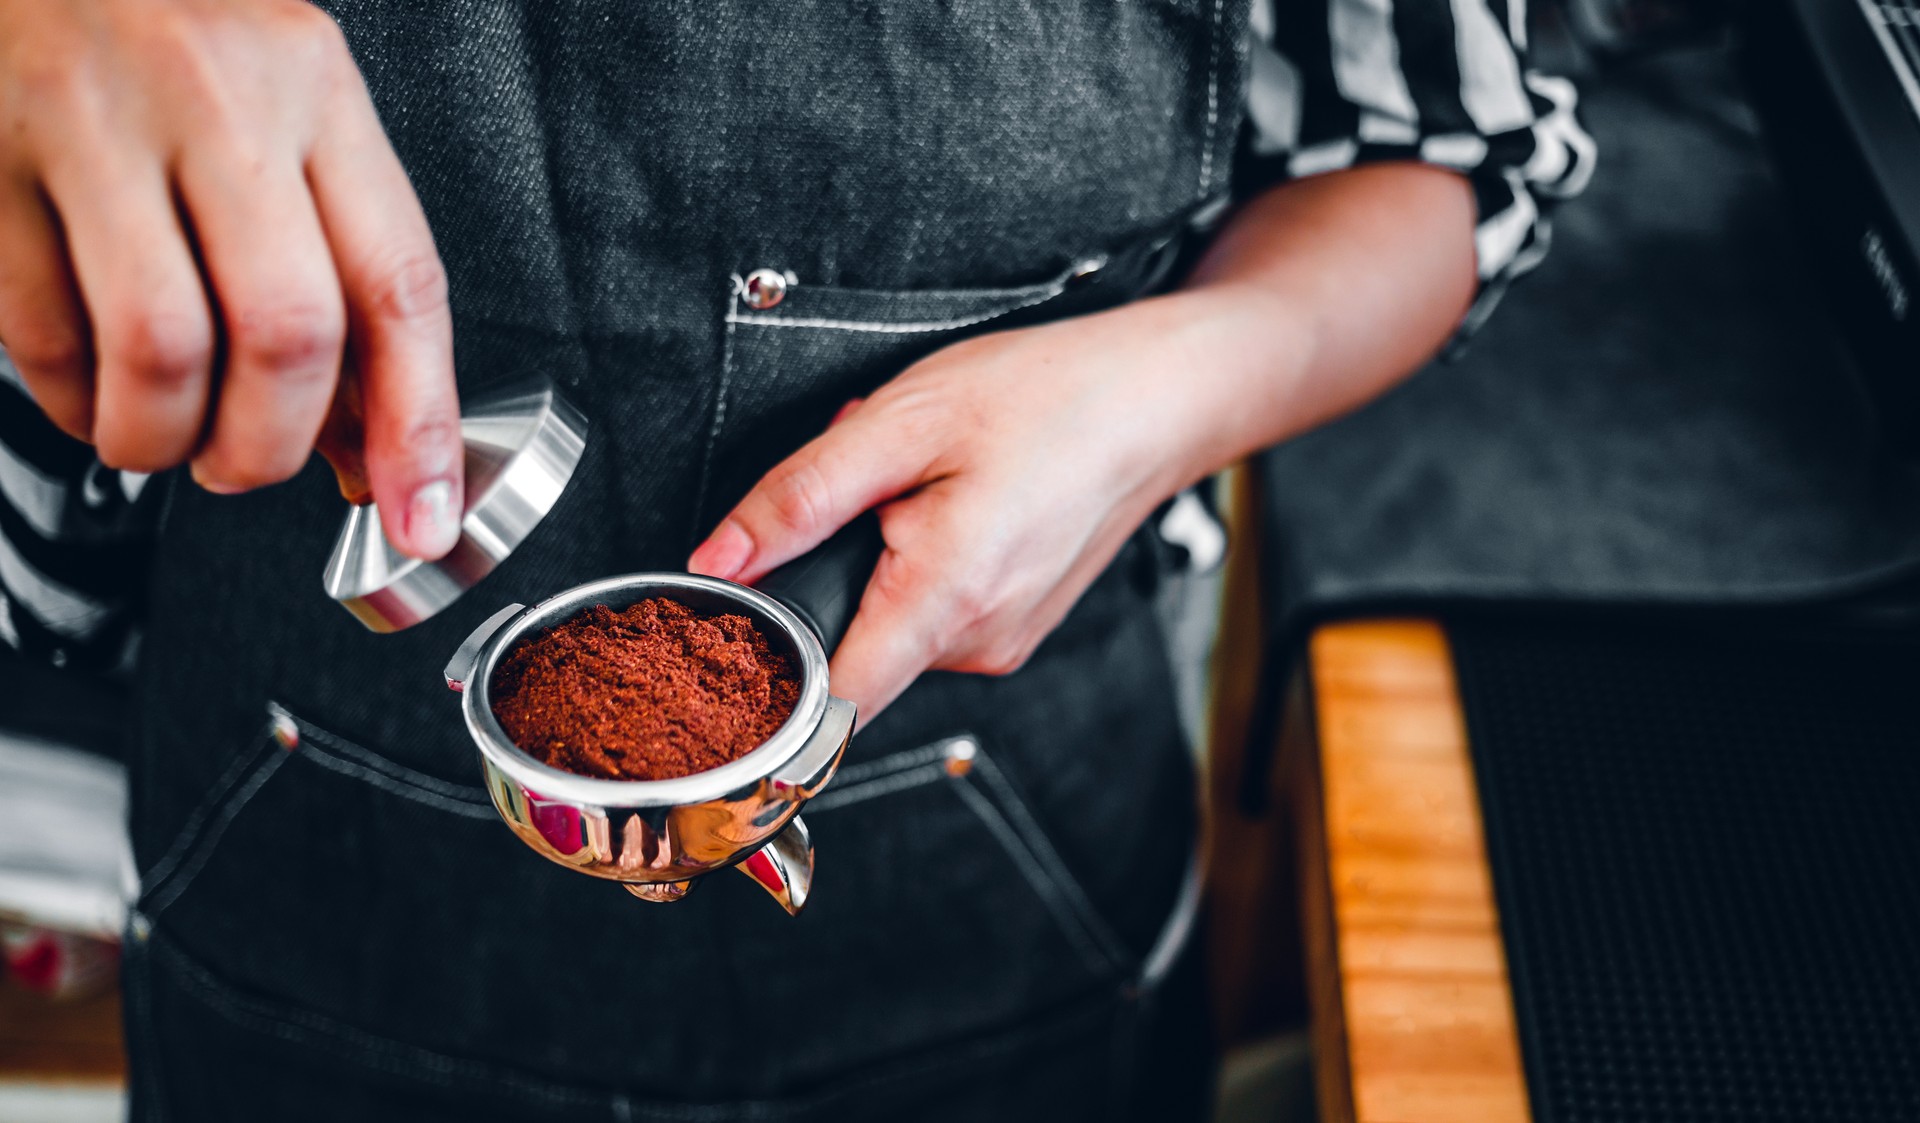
(648, 692)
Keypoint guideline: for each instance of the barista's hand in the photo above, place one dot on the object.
(199, 212)
(1008, 471)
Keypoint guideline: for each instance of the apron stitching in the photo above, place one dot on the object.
(935, 1059)
(210, 840)
(347, 751)
(1213, 99)
(216, 796)
(147, 1077)
(1045, 293)
(302, 1027)
(719, 406)
(1178, 929)
(299, 1027)
(885, 785)
(1044, 852)
(1037, 877)
(407, 792)
(1023, 840)
(898, 762)
(165, 516)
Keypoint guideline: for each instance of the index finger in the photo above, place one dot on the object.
(400, 328)
(857, 463)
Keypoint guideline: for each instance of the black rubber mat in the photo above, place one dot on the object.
(1706, 853)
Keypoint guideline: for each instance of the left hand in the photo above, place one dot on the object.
(1008, 470)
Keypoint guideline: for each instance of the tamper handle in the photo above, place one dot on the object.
(824, 585)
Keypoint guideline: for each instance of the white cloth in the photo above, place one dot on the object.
(65, 861)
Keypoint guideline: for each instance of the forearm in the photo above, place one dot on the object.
(1316, 297)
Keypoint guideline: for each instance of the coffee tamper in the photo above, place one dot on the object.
(522, 445)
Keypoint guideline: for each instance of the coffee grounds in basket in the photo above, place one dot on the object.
(648, 692)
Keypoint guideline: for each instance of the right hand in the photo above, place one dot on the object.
(185, 182)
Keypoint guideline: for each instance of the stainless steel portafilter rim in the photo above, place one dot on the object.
(782, 625)
(657, 838)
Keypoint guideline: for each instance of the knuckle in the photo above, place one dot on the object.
(435, 430)
(165, 350)
(50, 96)
(312, 37)
(409, 288)
(999, 660)
(310, 24)
(290, 337)
(971, 601)
(179, 38)
(53, 78)
(894, 581)
(800, 496)
(48, 351)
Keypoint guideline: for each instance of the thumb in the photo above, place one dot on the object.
(816, 491)
(891, 641)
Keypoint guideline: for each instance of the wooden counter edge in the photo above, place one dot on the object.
(1412, 1012)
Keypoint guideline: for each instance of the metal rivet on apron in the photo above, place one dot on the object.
(1086, 268)
(960, 754)
(285, 730)
(764, 288)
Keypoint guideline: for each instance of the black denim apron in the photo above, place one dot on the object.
(344, 930)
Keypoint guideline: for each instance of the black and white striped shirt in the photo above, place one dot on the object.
(74, 540)
(1334, 83)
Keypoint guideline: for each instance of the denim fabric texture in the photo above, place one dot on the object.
(344, 929)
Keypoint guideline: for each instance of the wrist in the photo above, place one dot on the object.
(1237, 356)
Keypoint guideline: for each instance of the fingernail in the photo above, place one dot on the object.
(724, 554)
(433, 524)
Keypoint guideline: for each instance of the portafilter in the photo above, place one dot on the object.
(659, 837)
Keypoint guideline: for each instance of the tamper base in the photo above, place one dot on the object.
(521, 450)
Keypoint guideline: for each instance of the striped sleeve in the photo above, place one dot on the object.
(1334, 83)
(75, 538)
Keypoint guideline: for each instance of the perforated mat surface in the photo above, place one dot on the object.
(1706, 854)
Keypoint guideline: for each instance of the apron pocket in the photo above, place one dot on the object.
(789, 366)
(962, 765)
(274, 1060)
(810, 307)
(327, 878)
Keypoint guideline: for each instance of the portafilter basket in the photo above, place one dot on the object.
(658, 837)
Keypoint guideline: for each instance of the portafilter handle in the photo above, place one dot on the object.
(824, 585)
